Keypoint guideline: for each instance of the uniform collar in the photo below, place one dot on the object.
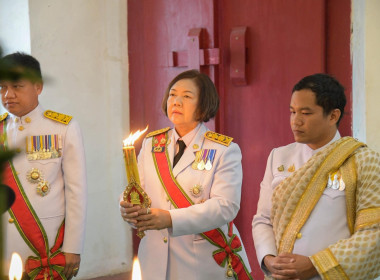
(32, 115)
(188, 138)
(336, 137)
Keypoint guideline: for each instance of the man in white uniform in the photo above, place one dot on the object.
(318, 214)
(46, 223)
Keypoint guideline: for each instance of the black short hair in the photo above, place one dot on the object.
(22, 65)
(208, 102)
(328, 91)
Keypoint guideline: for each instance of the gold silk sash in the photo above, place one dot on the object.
(304, 188)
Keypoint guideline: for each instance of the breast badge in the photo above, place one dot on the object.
(43, 188)
(196, 191)
(34, 176)
(281, 168)
(291, 168)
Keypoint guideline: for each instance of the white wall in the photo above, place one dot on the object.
(14, 26)
(365, 45)
(81, 45)
(372, 72)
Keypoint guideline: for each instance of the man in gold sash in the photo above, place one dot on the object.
(318, 215)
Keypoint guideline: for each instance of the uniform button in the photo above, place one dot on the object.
(17, 119)
(167, 199)
(27, 120)
(21, 128)
(18, 150)
(11, 221)
(165, 240)
(299, 235)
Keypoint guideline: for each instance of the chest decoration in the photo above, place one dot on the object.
(196, 191)
(35, 176)
(159, 145)
(43, 147)
(290, 169)
(335, 181)
(204, 159)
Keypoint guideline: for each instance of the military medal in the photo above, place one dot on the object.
(342, 185)
(43, 147)
(43, 188)
(230, 271)
(210, 159)
(197, 190)
(201, 164)
(34, 176)
(198, 155)
(335, 181)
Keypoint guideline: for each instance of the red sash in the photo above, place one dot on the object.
(48, 263)
(228, 249)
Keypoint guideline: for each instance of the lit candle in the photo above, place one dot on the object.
(136, 270)
(130, 156)
(15, 270)
(133, 192)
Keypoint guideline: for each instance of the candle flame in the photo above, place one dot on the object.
(133, 137)
(136, 270)
(15, 270)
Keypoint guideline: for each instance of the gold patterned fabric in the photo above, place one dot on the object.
(358, 256)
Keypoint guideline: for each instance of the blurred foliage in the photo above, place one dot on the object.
(6, 194)
(10, 73)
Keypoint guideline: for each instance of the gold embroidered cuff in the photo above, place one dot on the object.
(367, 217)
(327, 266)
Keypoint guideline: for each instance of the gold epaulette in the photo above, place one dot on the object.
(219, 138)
(3, 117)
(156, 132)
(58, 117)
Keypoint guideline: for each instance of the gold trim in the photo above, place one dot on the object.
(3, 117)
(367, 217)
(156, 132)
(349, 176)
(58, 117)
(327, 265)
(314, 189)
(218, 138)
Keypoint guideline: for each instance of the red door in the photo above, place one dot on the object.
(255, 51)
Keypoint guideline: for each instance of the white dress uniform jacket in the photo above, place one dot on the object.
(66, 176)
(180, 252)
(330, 209)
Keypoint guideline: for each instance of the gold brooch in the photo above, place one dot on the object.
(34, 175)
(197, 190)
(43, 188)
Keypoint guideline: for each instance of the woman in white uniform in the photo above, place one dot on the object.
(193, 177)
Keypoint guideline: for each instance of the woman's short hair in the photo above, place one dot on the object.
(208, 101)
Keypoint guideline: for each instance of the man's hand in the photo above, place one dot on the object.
(72, 265)
(290, 266)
